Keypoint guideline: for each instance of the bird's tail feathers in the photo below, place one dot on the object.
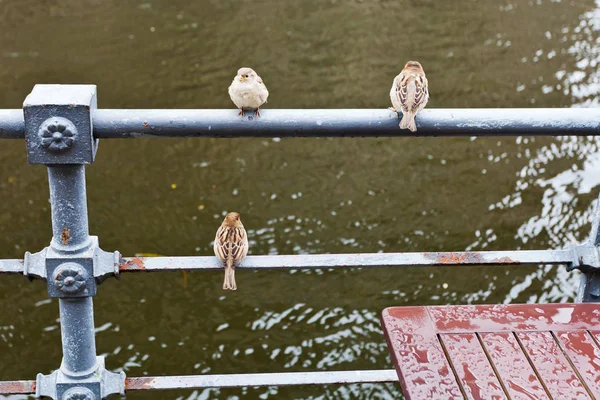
(229, 282)
(408, 122)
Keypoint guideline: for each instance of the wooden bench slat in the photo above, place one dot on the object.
(420, 361)
(515, 351)
(585, 356)
(517, 375)
(514, 317)
(552, 366)
(476, 375)
(595, 335)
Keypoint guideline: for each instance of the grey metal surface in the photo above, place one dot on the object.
(96, 383)
(72, 260)
(589, 287)
(432, 259)
(586, 258)
(11, 266)
(232, 380)
(70, 273)
(12, 124)
(329, 122)
(251, 380)
(344, 122)
(58, 124)
(531, 257)
(77, 333)
(69, 206)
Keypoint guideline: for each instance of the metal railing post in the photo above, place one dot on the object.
(59, 133)
(589, 288)
(70, 232)
(586, 258)
(69, 205)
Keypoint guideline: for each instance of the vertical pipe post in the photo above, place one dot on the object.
(69, 206)
(59, 133)
(589, 287)
(77, 332)
(70, 233)
(589, 260)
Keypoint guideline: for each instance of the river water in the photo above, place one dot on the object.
(296, 196)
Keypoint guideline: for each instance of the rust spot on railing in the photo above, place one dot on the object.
(135, 264)
(65, 236)
(467, 258)
(507, 260)
(457, 258)
(138, 383)
(17, 387)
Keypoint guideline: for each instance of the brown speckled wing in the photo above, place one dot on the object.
(402, 92)
(421, 93)
(220, 251)
(232, 244)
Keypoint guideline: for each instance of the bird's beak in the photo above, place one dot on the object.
(242, 79)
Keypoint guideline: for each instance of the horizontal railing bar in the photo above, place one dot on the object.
(329, 123)
(431, 259)
(232, 380)
(531, 257)
(343, 122)
(253, 380)
(11, 266)
(17, 387)
(12, 124)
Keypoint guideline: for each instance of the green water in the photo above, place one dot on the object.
(296, 196)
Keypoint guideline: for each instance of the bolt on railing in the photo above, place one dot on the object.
(62, 126)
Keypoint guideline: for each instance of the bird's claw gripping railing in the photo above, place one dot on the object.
(62, 127)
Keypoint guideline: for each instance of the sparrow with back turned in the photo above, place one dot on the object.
(231, 246)
(410, 94)
(247, 91)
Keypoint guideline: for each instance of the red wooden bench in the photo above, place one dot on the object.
(517, 351)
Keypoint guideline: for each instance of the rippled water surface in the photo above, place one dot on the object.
(296, 196)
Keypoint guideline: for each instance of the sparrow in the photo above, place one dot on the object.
(409, 94)
(248, 91)
(231, 246)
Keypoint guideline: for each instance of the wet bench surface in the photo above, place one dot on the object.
(516, 351)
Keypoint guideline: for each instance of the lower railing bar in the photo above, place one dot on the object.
(11, 266)
(232, 380)
(431, 259)
(17, 387)
(530, 257)
(251, 380)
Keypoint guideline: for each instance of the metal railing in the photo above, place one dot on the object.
(115, 124)
(62, 127)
